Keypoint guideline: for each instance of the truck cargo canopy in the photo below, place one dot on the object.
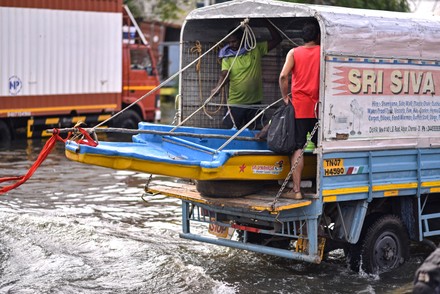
(345, 31)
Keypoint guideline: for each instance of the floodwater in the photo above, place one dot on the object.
(74, 228)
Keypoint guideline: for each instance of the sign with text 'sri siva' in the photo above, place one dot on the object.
(368, 98)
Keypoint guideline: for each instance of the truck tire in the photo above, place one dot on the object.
(383, 246)
(229, 188)
(5, 133)
(129, 119)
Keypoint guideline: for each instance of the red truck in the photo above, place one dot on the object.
(64, 61)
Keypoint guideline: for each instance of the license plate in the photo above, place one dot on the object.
(220, 231)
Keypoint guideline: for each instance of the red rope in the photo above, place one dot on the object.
(50, 144)
(41, 157)
(89, 140)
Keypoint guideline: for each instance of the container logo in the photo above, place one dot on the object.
(15, 85)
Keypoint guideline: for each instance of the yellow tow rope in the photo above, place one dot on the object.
(197, 48)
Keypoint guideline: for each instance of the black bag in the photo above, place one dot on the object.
(281, 132)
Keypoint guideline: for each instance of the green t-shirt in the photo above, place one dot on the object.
(245, 80)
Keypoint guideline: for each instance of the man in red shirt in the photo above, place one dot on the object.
(303, 63)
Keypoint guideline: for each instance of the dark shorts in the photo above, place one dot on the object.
(242, 116)
(302, 127)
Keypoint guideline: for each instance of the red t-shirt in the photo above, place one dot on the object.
(305, 81)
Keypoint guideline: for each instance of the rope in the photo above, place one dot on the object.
(50, 144)
(177, 101)
(91, 142)
(247, 34)
(166, 81)
(198, 49)
(248, 39)
(246, 125)
(80, 134)
(282, 33)
(250, 42)
(248, 106)
(47, 149)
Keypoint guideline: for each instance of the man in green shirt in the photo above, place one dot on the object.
(244, 78)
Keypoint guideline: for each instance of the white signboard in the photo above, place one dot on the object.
(381, 98)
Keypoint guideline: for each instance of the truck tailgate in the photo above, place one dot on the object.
(260, 201)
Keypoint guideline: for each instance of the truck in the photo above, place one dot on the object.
(372, 182)
(64, 62)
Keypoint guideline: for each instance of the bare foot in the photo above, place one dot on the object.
(292, 195)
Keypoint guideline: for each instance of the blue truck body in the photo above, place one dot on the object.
(376, 167)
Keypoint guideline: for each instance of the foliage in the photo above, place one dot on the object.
(135, 8)
(170, 9)
(165, 10)
(390, 5)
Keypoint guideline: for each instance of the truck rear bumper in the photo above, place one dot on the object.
(287, 229)
(254, 247)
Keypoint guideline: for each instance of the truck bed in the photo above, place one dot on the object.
(261, 201)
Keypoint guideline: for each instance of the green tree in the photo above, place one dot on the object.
(164, 10)
(169, 10)
(390, 5)
(135, 8)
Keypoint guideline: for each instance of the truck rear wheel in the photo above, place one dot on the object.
(384, 245)
(5, 133)
(129, 119)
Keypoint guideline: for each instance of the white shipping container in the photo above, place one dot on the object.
(53, 52)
